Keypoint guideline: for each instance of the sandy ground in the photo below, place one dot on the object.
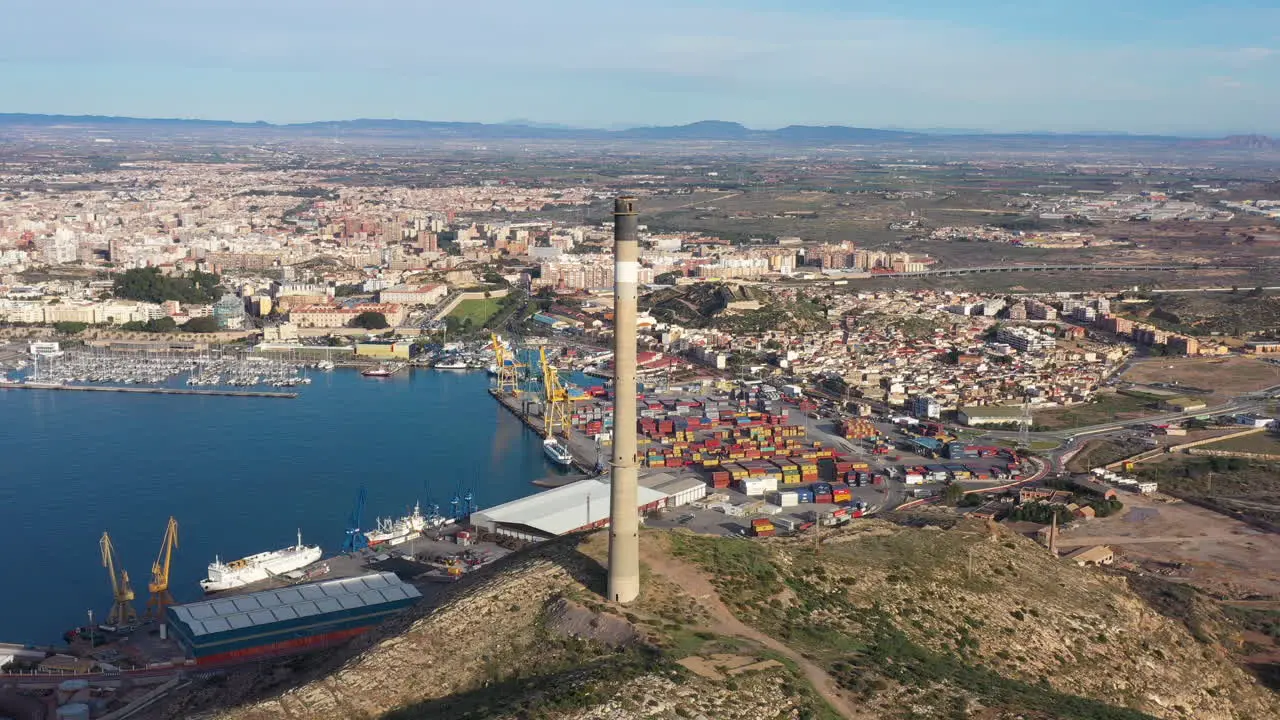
(1225, 376)
(1219, 554)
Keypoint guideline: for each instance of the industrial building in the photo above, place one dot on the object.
(989, 415)
(583, 505)
(288, 620)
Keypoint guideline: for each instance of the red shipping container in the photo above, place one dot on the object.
(824, 499)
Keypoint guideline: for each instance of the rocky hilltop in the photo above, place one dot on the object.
(880, 621)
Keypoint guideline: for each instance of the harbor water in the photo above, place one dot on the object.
(241, 475)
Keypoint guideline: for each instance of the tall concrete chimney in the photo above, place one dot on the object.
(624, 516)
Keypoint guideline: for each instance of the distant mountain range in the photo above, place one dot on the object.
(704, 131)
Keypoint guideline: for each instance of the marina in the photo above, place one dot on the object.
(84, 366)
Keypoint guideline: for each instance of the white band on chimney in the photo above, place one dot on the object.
(626, 271)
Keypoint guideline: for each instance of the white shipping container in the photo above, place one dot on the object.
(785, 524)
(770, 509)
(914, 479)
(753, 487)
(768, 482)
(788, 498)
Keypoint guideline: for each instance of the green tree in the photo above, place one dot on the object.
(70, 328)
(953, 494)
(149, 285)
(370, 321)
(201, 325)
(161, 325)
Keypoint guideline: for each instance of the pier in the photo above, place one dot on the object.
(583, 448)
(148, 390)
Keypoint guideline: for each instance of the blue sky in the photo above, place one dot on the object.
(1138, 66)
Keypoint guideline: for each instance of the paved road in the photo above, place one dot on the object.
(944, 272)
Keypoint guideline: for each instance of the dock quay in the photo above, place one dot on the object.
(148, 390)
(556, 481)
(582, 447)
(415, 561)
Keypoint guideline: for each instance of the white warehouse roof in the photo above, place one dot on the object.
(269, 606)
(566, 508)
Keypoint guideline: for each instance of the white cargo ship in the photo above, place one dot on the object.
(394, 532)
(238, 573)
(558, 453)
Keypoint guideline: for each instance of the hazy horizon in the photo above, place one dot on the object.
(623, 126)
(1182, 68)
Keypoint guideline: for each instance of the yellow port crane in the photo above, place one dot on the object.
(159, 587)
(508, 366)
(556, 409)
(122, 612)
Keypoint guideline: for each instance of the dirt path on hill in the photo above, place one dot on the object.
(695, 583)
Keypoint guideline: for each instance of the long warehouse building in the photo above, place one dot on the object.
(583, 505)
(288, 620)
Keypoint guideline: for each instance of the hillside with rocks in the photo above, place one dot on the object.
(880, 621)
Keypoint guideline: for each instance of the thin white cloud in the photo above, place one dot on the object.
(765, 67)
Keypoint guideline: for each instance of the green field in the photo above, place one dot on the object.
(1108, 408)
(477, 311)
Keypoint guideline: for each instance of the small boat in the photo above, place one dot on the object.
(380, 372)
(452, 365)
(558, 453)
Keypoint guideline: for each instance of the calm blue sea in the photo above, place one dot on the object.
(240, 474)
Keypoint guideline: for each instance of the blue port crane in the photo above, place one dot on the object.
(355, 539)
(469, 501)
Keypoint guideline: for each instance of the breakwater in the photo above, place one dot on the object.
(148, 390)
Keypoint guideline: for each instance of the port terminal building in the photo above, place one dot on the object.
(582, 505)
(287, 620)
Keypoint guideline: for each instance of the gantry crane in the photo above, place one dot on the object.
(122, 612)
(159, 587)
(508, 367)
(355, 539)
(556, 406)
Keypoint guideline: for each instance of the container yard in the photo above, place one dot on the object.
(760, 453)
